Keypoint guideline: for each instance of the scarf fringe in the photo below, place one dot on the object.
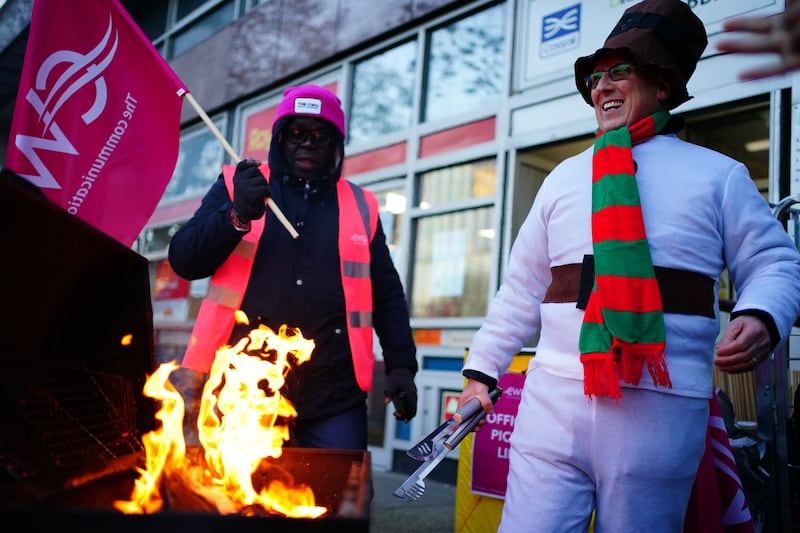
(624, 361)
(633, 357)
(657, 366)
(601, 376)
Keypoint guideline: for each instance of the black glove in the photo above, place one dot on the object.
(250, 191)
(399, 387)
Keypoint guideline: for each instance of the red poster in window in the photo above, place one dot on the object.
(169, 285)
(258, 134)
(449, 404)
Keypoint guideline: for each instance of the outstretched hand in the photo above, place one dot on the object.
(778, 34)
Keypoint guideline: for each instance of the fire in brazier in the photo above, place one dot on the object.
(243, 419)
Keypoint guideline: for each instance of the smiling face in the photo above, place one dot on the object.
(625, 101)
(309, 146)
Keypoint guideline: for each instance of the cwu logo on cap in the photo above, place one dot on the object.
(560, 31)
(308, 106)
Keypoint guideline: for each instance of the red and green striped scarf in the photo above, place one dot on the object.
(623, 327)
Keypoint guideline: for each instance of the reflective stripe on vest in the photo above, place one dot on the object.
(358, 221)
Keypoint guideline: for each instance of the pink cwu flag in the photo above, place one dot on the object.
(96, 125)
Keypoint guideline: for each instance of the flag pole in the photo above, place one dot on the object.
(228, 148)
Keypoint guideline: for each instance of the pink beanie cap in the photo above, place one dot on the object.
(311, 101)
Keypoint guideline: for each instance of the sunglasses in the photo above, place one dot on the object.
(297, 135)
(615, 73)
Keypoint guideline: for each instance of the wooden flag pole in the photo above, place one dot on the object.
(228, 148)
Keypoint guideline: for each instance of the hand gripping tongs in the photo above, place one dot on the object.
(434, 448)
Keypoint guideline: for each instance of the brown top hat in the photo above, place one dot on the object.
(663, 33)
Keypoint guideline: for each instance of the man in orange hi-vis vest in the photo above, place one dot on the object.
(334, 279)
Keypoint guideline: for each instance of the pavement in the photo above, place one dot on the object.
(433, 512)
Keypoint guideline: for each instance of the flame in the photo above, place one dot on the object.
(164, 447)
(242, 420)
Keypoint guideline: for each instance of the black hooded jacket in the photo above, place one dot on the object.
(298, 282)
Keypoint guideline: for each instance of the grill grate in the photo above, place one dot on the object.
(59, 416)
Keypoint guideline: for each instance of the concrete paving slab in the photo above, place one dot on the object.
(434, 512)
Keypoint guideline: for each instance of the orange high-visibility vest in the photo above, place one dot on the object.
(358, 221)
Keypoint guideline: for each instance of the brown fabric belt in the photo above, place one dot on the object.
(682, 292)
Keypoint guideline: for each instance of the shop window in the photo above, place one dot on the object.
(452, 264)
(466, 64)
(392, 205)
(383, 93)
(203, 27)
(154, 241)
(193, 21)
(151, 16)
(453, 244)
(200, 159)
(462, 182)
(184, 7)
(741, 132)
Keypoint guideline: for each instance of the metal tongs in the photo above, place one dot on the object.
(434, 448)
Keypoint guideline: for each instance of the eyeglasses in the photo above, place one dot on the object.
(297, 135)
(615, 73)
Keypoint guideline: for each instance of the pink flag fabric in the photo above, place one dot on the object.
(718, 503)
(96, 125)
